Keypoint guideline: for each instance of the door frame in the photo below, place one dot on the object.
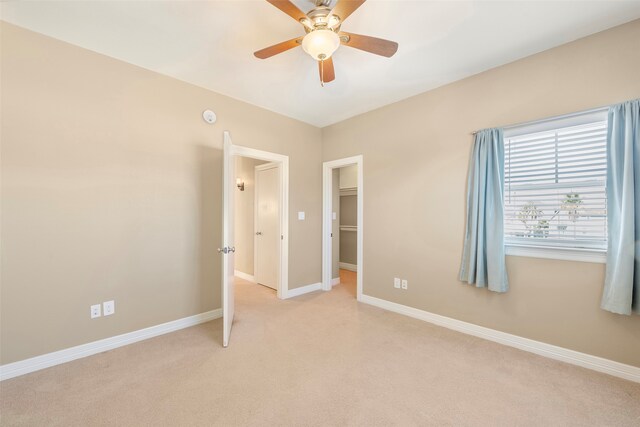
(283, 268)
(327, 247)
(264, 166)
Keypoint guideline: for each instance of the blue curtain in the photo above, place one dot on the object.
(622, 282)
(483, 260)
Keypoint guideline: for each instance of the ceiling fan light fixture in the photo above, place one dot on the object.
(322, 26)
(321, 44)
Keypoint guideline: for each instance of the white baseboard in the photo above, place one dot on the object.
(617, 369)
(303, 290)
(244, 276)
(347, 266)
(335, 281)
(37, 363)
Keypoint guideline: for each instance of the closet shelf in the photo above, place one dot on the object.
(349, 191)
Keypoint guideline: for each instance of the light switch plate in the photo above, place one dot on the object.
(335, 216)
(396, 283)
(301, 216)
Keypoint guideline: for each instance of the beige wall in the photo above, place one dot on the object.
(349, 247)
(416, 155)
(349, 176)
(349, 215)
(245, 214)
(111, 189)
(349, 239)
(349, 209)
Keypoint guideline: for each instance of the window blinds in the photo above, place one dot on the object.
(555, 187)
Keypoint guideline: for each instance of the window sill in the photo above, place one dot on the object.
(567, 254)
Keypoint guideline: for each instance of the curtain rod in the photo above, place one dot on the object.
(547, 119)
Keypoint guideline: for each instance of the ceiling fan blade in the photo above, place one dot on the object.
(327, 72)
(370, 44)
(344, 8)
(289, 8)
(268, 52)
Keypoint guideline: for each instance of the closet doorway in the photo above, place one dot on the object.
(342, 224)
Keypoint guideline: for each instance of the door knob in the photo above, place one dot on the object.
(232, 249)
(223, 250)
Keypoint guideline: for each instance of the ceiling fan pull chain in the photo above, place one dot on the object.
(322, 70)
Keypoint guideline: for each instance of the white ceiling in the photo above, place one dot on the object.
(211, 44)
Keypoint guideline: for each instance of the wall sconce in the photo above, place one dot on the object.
(240, 184)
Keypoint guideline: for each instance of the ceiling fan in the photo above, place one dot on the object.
(323, 36)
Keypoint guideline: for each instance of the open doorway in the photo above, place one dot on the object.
(344, 217)
(229, 185)
(257, 221)
(342, 225)
(261, 219)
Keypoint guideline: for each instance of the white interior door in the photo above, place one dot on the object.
(228, 250)
(267, 225)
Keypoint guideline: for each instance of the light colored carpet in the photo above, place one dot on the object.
(319, 359)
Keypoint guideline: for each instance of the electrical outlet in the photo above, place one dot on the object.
(301, 216)
(405, 284)
(396, 283)
(96, 311)
(109, 307)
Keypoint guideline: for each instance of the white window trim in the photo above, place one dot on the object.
(598, 256)
(536, 251)
(567, 120)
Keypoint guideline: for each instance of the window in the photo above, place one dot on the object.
(554, 189)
